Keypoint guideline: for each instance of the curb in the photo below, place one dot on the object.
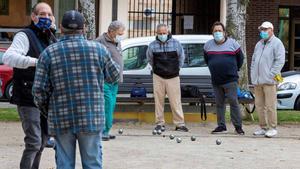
(149, 117)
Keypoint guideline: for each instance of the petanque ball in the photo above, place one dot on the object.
(159, 132)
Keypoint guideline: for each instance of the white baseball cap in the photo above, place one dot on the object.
(266, 25)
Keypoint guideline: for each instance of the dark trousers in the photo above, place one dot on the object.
(228, 91)
(35, 138)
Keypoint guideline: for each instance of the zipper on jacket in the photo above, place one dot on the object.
(259, 62)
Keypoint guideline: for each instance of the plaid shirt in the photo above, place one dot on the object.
(69, 84)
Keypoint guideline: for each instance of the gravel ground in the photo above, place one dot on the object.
(137, 148)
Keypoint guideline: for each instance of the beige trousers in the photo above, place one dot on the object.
(171, 87)
(266, 103)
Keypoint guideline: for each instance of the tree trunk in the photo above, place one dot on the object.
(87, 8)
(236, 28)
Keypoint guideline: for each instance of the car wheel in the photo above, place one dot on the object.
(8, 90)
(297, 103)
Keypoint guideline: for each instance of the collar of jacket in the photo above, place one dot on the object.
(108, 39)
(45, 36)
(71, 37)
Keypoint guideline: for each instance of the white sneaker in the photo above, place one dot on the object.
(260, 132)
(271, 133)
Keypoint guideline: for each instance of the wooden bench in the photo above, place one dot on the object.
(202, 82)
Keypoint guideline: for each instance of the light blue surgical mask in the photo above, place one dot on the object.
(264, 35)
(163, 38)
(218, 36)
(118, 38)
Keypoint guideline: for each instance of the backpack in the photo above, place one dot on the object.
(194, 92)
(138, 91)
(245, 94)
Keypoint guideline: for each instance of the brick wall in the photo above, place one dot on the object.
(290, 2)
(259, 11)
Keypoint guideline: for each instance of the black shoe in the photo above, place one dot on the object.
(219, 130)
(112, 137)
(182, 128)
(239, 131)
(160, 127)
(105, 138)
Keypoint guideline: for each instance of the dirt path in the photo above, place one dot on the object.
(138, 149)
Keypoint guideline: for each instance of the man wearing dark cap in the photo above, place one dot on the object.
(69, 80)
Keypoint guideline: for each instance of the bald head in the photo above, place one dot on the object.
(39, 6)
(41, 9)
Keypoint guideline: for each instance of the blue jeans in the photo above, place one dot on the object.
(229, 91)
(110, 97)
(89, 147)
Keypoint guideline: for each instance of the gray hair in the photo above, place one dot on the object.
(116, 25)
(161, 25)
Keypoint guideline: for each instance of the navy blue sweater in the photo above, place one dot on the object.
(224, 60)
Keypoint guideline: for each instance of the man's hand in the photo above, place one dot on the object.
(278, 78)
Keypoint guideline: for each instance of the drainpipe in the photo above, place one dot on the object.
(223, 9)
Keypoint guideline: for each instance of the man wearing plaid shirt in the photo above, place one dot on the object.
(69, 86)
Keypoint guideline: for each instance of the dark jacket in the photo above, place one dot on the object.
(166, 58)
(23, 78)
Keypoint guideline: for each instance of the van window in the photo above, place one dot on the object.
(194, 55)
(135, 57)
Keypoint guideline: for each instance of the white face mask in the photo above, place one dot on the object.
(163, 38)
(118, 38)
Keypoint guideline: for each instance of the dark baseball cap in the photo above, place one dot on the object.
(72, 20)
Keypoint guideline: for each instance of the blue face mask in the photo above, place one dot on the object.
(264, 35)
(44, 23)
(163, 38)
(218, 36)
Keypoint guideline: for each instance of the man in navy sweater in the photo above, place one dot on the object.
(224, 59)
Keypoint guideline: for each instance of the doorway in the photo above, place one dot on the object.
(295, 45)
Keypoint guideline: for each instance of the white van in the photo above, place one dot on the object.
(135, 59)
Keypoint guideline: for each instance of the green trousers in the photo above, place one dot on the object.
(110, 97)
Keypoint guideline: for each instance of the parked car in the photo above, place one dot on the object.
(6, 74)
(288, 95)
(1, 94)
(135, 59)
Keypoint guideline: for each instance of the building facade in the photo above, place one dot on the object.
(285, 15)
(182, 16)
